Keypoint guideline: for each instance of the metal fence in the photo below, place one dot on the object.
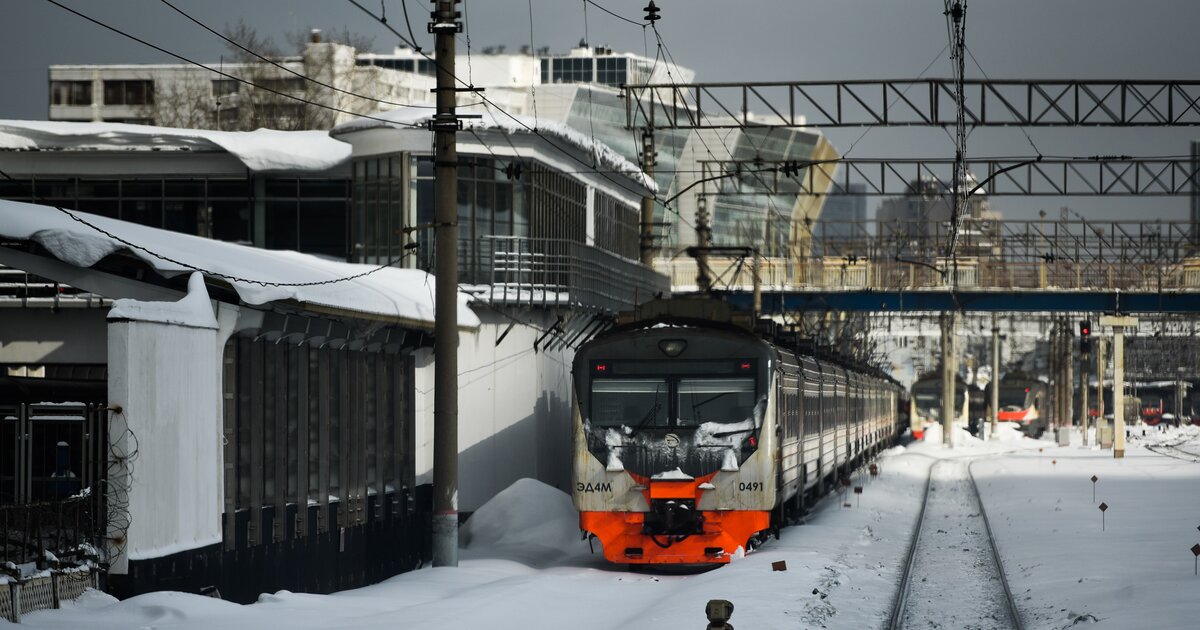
(44, 591)
(555, 272)
(21, 289)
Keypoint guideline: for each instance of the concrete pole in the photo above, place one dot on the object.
(995, 375)
(1068, 373)
(948, 407)
(1101, 371)
(1118, 392)
(1118, 325)
(1052, 369)
(1083, 378)
(445, 328)
(647, 240)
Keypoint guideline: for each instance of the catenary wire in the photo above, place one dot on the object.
(285, 68)
(222, 73)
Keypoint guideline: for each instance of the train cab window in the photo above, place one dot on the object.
(635, 403)
(723, 400)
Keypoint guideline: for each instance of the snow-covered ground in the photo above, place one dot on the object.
(524, 566)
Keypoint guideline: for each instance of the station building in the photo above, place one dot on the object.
(231, 426)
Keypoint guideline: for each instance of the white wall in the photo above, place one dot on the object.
(513, 409)
(165, 378)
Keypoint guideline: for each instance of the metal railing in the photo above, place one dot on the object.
(555, 272)
(1074, 255)
(22, 289)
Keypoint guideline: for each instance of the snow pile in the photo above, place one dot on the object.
(408, 118)
(193, 310)
(261, 150)
(529, 522)
(406, 295)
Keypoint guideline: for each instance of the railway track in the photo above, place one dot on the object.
(953, 577)
(1171, 449)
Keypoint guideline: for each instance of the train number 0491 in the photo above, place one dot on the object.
(751, 486)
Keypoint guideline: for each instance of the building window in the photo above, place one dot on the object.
(545, 71)
(128, 92)
(573, 70)
(617, 226)
(306, 215)
(224, 87)
(610, 70)
(70, 92)
(287, 84)
(378, 218)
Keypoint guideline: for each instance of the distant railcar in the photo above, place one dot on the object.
(693, 438)
(926, 406)
(1022, 399)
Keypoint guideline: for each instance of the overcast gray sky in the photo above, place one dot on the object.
(729, 40)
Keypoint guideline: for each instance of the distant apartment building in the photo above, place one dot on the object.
(579, 89)
(843, 221)
(919, 222)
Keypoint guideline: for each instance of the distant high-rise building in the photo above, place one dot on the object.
(843, 219)
(919, 222)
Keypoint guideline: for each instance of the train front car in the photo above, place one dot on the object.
(674, 442)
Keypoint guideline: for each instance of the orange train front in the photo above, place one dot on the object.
(693, 437)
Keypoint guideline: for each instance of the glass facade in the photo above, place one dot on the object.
(394, 211)
(307, 215)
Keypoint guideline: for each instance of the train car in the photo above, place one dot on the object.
(926, 406)
(696, 437)
(1022, 399)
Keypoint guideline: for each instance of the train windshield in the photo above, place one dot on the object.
(634, 403)
(1013, 398)
(721, 400)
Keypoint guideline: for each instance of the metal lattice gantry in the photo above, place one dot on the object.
(1087, 176)
(914, 102)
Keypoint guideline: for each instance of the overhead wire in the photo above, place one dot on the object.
(556, 146)
(272, 62)
(221, 72)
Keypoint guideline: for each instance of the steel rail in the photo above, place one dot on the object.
(901, 602)
(1008, 596)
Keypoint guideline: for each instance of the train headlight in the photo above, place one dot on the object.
(672, 347)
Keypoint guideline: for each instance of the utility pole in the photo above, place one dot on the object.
(1118, 325)
(1101, 370)
(445, 126)
(1085, 352)
(995, 376)
(1052, 369)
(1068, 378)
(948, 383)
(703, 242)
(647, 235)
(647, 240)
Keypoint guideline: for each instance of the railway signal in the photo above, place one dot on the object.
(1085, 337)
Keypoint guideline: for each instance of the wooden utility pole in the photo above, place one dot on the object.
(445, 126)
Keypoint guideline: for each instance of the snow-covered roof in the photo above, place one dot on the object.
(401, 295)
(490, 119)
(259, 150)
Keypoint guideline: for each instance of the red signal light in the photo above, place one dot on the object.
(745, 365)
(753, 441)
(601, 367)
(1026, 390)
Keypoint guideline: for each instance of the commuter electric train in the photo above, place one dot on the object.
(695, 437)
(927, 402)
(1021, 400)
